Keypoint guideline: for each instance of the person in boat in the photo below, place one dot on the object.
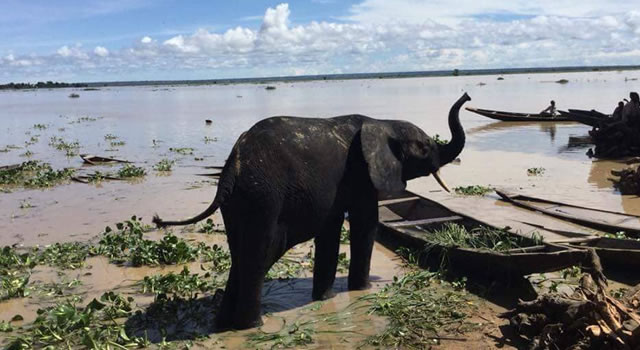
(550, 111)
(617, 113)
(631, 111)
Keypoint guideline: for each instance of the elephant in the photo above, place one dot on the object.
(290, 179)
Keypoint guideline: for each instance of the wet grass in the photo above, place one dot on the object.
(34, 174)
(454, 235)
(422, 309)
(208, 139)
(473, 190)
(439, 140)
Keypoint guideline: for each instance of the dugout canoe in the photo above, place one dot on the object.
(599, 219)
(517, 117)
(408, 220)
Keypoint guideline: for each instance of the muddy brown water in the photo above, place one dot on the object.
(152, 119)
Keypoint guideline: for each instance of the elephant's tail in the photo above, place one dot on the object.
(205, 214)
(225, 187)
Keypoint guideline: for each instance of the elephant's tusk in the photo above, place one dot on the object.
(436, 175)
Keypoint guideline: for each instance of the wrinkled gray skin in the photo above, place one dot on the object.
(288, 180)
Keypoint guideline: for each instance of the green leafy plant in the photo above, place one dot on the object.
(131, 171)
(164, 165)
(69, 326)
(34, 174)
(183, 284)
(535, 171)
(182, 150)
(70, 255)
(473, 190)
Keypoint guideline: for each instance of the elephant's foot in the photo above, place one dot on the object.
(359, 284)
(328, 294)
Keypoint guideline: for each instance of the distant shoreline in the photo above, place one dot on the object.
(354, 76)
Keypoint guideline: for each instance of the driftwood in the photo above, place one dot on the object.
(85, 179)
(628, 181)
(588, 319)
(10, 167)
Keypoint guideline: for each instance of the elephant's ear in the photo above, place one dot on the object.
(382, 153)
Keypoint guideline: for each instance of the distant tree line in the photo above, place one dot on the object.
(41, 85)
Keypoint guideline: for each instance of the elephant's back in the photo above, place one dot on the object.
(296, 161)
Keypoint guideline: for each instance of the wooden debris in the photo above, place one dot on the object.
(588, 319)
(95, 160)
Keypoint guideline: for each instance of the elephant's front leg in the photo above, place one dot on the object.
(363, 221)
(327, 243)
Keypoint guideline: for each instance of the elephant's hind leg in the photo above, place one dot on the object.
(326, 257)
(258, 245)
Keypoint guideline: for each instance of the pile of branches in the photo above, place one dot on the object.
(628, 181)
(588, 319)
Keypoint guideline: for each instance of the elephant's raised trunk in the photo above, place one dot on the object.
(448, 152)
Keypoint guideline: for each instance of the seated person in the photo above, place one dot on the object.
(551, 110)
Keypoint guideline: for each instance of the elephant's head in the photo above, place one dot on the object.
(398, 151)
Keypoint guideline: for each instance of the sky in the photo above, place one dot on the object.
(97, 40)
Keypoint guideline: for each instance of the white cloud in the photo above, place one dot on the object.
(72, 52)
(101, 51)
(410, 35)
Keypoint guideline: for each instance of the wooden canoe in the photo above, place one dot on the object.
(96, 160)
(582, 118)
(407, 220)
(517, 117)
(592, 113)
(599, 219)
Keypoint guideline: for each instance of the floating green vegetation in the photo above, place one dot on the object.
(345, 235)
(56, 289)
(15, 273)
(8, 148)
(69, 255)
(34, 174)
(83, 119)
(117, 143)
(208, 139)
(32, 141)
(439, 141)
(182, 150)
(535, 171)
(473, 190)
(70, 148)
(68, 325)
(219, 257)
(130, 171)
(209, 227)
(109, 137)
(40, 126)
(183, 285)
(27, 154)
(419, 311)
(164, 165)
(25, 205)
(127, 245)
